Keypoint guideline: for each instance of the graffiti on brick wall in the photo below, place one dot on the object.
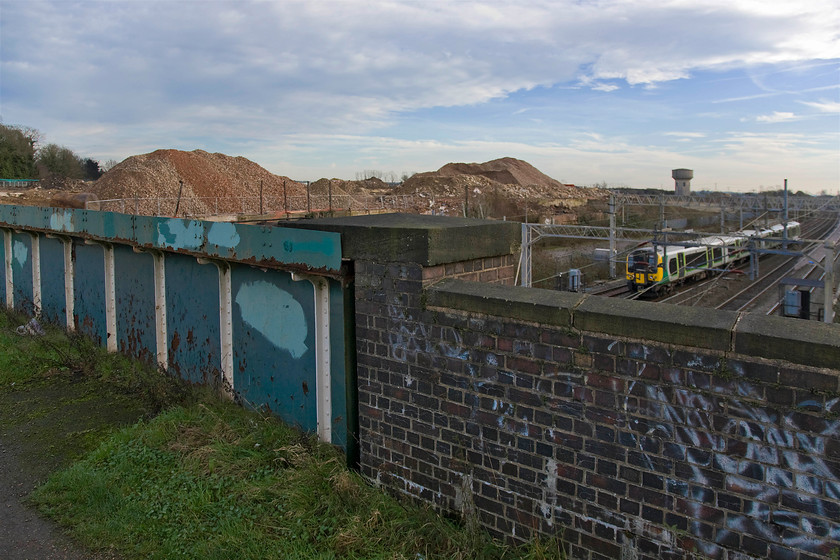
(748, 469)
(407, 337)
(777, 478)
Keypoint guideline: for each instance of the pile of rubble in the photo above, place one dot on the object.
(506, 186)
(170, 182)
(201, 184)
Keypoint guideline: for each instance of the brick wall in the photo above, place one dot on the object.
(632, 430)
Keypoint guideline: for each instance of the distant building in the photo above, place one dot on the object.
(682, 178)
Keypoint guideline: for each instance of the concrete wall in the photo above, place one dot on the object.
(630, 429)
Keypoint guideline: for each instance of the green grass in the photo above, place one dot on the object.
(177, 473)
(209, 479)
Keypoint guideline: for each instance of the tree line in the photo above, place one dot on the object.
(24, 156)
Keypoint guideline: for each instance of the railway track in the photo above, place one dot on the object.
(750, 296)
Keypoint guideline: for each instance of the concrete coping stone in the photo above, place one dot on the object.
(670, 324)
(795, 340)
(806, 343)
(526, 304)
(421, 239)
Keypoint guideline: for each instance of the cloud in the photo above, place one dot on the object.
(776, 117)
(823, 106)
(113, 79)
(345, 65)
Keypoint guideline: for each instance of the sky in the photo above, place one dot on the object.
(744, 92)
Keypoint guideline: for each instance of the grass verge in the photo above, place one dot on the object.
(159, 470)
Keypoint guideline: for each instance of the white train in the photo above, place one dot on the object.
(668, 265)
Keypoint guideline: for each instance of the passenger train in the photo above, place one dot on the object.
(659, 269)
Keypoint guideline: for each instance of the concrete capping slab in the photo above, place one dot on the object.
(808, 343)
(658, 322)
(421, 239)
(548, 307)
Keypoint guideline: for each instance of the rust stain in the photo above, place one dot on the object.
(176, 341)
(305, 388)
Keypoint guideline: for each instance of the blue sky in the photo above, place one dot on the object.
(745, 92)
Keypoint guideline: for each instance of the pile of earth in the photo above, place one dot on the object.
(194, 183)
(505, 186)
(198, 183)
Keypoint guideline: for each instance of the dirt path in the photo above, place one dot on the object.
(25, 535)
(45, 426)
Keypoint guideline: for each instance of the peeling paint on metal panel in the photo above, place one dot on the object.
(62, 221)
(20, 252)
(223, 234)
(180, 234)
(275, 314)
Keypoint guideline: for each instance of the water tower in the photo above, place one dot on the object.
(683, 178)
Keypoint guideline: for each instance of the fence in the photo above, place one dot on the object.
(258, 312)
(267, 205)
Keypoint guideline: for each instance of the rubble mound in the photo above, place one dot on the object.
(194, 183)
(508, 171)
(500, 186)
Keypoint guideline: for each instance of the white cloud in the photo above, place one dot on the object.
(776, 117)
(823, 106)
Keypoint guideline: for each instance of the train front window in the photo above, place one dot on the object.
(641, 260)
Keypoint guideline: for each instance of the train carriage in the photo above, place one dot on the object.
(661, 267)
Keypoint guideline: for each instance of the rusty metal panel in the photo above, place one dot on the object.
(123, 225)
(32, 216)
(274, 342)
(53, 306)
(260, 245)
(316, 249)
(89, 292)
(22, 272)
(135, 303)
(192, 302)
(145, 230)
(8, 213)
(96, 224)
(257, 244)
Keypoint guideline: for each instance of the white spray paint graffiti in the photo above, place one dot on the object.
(775, 454)
(407, 337)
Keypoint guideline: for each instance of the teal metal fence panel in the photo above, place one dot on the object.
(230, 305)
(53, 305)
(89, 292)
(135, 303)
(192, 302)
(22, 273)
